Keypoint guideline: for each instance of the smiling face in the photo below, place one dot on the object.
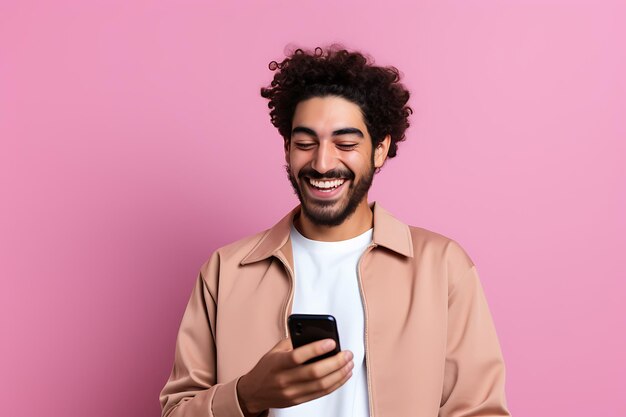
(330, 160)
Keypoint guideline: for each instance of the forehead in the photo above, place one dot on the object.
(325, 114)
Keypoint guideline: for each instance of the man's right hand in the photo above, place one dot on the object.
(281, 380)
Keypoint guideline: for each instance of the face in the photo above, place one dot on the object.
(330, 160)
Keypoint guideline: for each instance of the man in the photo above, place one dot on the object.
(412, 318)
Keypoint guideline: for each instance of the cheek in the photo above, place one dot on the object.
(359, 162)
(296, 161)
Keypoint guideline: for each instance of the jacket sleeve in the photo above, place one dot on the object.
(191, 390)
(474, 368)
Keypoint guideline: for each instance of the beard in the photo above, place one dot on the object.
(331, 213)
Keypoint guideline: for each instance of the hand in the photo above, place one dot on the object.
(281, 380)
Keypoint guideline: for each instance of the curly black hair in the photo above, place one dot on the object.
(339, 72)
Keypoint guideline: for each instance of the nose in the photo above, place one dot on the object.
(325, 157)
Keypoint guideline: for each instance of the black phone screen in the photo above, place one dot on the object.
(308, 328)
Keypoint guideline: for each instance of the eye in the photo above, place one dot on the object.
(304, 145)
(346, 146)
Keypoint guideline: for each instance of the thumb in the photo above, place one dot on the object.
(283, 346)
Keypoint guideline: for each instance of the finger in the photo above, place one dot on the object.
(320, 369)
(311, 350)
(326, 392)
(308, 391)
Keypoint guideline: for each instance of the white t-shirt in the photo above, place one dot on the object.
(326, 283)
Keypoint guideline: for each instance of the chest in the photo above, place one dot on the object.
(404, 307)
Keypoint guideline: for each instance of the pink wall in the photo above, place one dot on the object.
(134, 142)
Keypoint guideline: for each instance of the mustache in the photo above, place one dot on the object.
(333, 173)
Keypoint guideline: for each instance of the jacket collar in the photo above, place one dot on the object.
(389, 232)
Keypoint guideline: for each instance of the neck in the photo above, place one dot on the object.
(358, 223)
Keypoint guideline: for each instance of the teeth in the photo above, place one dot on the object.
(326, 184)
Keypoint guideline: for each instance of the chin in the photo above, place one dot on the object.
(326, 216)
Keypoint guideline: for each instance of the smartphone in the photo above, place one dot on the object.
(308, 328)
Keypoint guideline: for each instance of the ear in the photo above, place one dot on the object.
(381, 150)
(287, 143)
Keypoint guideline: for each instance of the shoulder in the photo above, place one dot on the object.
(246, 252)
(426, 248)
(435, 247)
(231, 254)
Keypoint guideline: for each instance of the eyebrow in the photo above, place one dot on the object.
(344, 131)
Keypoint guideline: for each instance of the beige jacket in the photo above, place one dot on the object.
(431, 347)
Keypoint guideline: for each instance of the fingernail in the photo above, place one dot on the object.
(329, 344)
(349, 355)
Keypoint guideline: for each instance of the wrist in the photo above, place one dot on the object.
(244, 399)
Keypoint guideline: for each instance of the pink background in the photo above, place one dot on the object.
(135, 142)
